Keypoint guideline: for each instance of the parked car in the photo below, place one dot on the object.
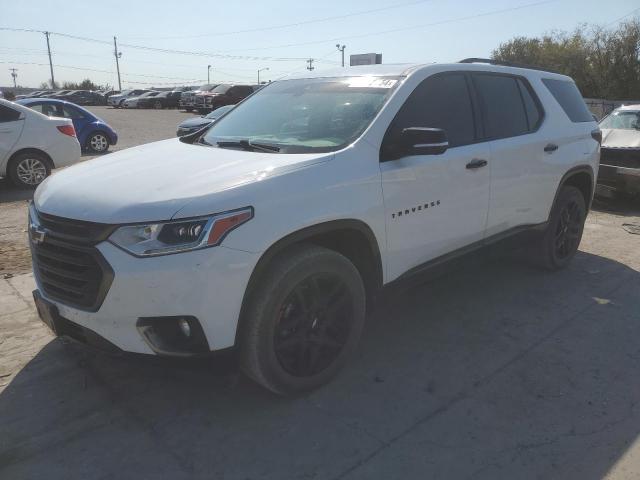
(117, 100)
(83, 97)
(162, 100)
(198, 123)
(280, 221)
(132, 102)
(58, 93)
(187, 100)
(32, 144)
(93, 133)
(224, 94)
(107, 93)
(620, 155)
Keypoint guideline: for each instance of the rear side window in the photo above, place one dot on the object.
(8, 114)
(532, 107)
(569, 98)
(505, 114)
(441, 101)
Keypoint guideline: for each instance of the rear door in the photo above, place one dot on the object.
(512, 116)
(435, 203)
(11, 125)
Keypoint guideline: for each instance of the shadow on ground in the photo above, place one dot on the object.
(495, 370)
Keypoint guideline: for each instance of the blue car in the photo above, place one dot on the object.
(93, 133)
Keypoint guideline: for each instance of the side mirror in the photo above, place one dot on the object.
(424, 141)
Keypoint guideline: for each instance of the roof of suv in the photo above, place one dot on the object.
(405, 69)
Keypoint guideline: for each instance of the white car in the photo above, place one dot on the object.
(132, 102)
(32, 144)
(117, 101)
(620, 160)
(272, 230)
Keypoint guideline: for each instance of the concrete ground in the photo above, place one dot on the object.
(495, 370)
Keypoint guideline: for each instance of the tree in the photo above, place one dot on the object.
(604, 63)
(86, 84)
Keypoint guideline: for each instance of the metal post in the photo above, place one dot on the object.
(208, 77)
(115, 52)
(14, 75)
(53, 82)
(341, 50)
(261, 70)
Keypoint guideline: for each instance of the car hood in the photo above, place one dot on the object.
(154, 181)
(195, 122)
(618, 138)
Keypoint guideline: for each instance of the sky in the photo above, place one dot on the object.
(237, 38)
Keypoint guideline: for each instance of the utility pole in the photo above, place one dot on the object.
(341, 50)
(208, 69)
(310, 66)
(53, 82)
(117, 55)
(261, 70)
(14, 75)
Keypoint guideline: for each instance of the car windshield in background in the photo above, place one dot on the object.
(218, 112)
(221, 89)
(307, 115)
(624, 120)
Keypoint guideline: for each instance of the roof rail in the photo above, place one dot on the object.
(506, 64)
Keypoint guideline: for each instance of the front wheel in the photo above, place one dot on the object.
(28, 170)
(563, 234)
(98, 143)
(303, 320)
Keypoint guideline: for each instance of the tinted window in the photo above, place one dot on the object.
(534, 115)
(441, 101)
(69, 112)
(504, 110)
(8, 114)
(569, 98)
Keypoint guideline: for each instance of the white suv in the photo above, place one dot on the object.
(272, 230)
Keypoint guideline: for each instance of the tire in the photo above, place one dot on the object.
(562, 236)
(98, 142)
(291, 343)
(29, 169)
(157, 105)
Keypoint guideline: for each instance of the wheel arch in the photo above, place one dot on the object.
(30, 150)
(583, 178)
(350, 237)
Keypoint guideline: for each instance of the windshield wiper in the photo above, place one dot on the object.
(249, 145)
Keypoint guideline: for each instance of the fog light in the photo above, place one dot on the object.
(185, 328)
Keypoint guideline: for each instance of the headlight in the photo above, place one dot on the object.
(152, 239)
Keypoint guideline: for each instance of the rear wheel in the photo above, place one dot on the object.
(28, 170)
(98, 143)
(303, 320)
(563, 234)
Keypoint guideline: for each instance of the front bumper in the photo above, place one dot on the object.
(208, 284)
(622, 179)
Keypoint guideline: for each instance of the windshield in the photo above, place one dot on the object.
(218, 112)
(221, 89)
(623, 120)
(307, 115)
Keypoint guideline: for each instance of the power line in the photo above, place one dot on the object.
(289, 25)
(622, 17)
(401, 29)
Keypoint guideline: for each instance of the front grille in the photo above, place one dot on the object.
(68, 266)
(620, 157)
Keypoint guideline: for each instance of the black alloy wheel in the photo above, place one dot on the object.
(313, 325)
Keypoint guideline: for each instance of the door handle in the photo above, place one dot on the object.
(476, 163)
(551, 147)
